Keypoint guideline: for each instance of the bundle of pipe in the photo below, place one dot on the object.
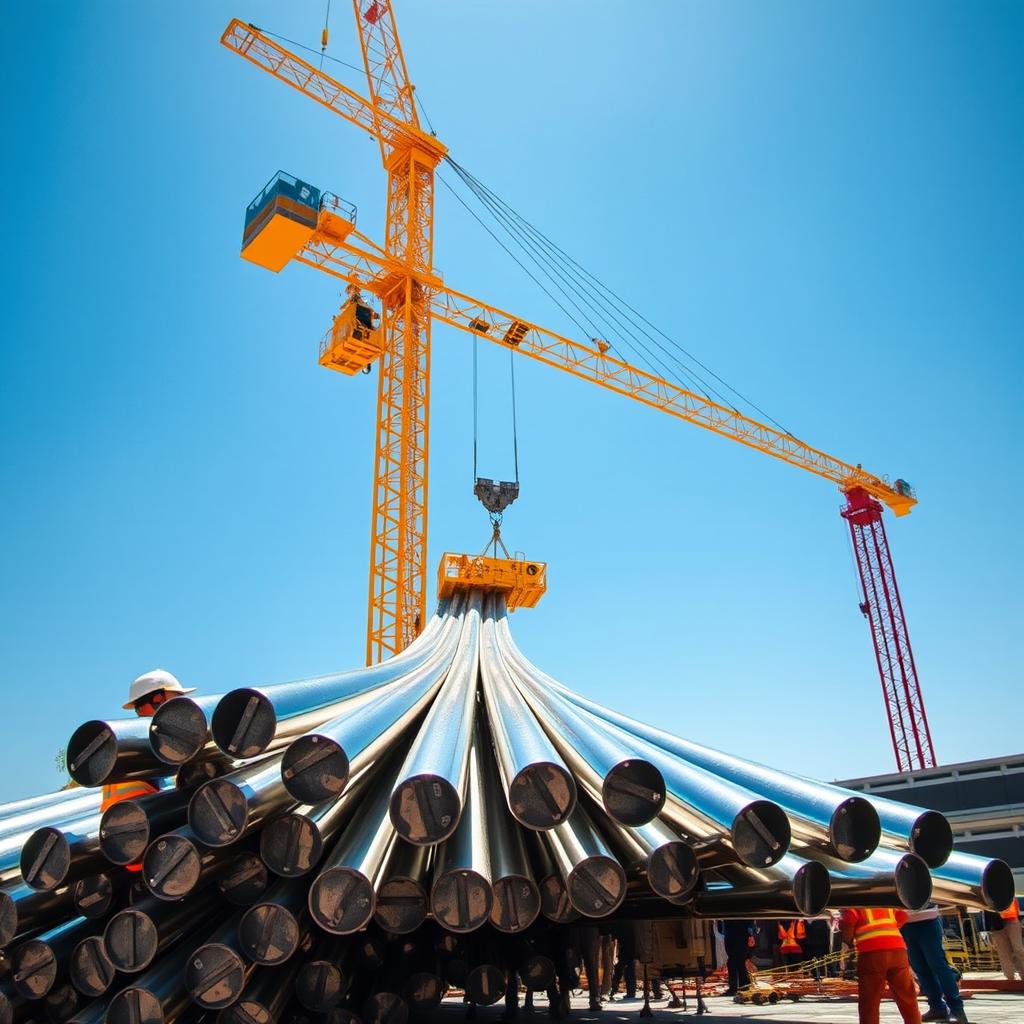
(331, 842)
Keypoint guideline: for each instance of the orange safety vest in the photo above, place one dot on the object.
(877, 929)
(115, 792)
(1011, 913)
(789, 936)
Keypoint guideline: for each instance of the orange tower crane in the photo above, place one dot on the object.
(291, 220)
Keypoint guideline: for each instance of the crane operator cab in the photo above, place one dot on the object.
(354, 339)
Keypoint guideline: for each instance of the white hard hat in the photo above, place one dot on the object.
(150, 682)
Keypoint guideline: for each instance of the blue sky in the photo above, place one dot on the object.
(822, 201)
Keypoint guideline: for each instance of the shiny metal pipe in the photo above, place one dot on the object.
(342, 897)
(11, 846)
(554, 896)
(427, 800)
(85, 804)
(92, 1013)
(157, 995)
(52, 857)
(264, 997)
(460, 897)
(90, 968)
(515, 896)
(539, 787)
(216, 972)
(24, 909)
(224, 810)
(791, 887)
(826, 817)
(251, 720)
(269, 931)
(38, 963)
(29, 803)
(115, 750)
(321, 983)
(317, 766)
(176, 863)
(127, 827)
(888, 878)
(926, 833)
(179, 731)
(402, 903)
(244, 880)
(594, 879)
(656, 853)
(982, 882)
(134, 936)
(624, 782)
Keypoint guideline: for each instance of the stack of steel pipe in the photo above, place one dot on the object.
(355, 844)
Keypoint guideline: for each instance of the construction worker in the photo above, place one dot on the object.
(1004, 931)
(922, 932)
(791, 933)
(881, 959)
(145, 695)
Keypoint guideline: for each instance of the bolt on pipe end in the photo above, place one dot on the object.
(425, 809)
(218, 813)
(91, 970)
(124, 832)
(812, 888)
(401, 905)
(131, 940)
(597, 886)
(171, 867)
(554, 900)
(461, 900)
(214, 976)
(931, 838)
(319, 986)
(672, 871)
(268, 934)
(542, 796)
(485, 984)
(45, 859)
(178, 731)
(854, 830)
(516, 903)
(761, 834)
(633, 792)
(243, 723)
(245, 881)
(341, 900)
(291, 845)
(92, 753)
(314, 768)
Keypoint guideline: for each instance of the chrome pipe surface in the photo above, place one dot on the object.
(538, 785)
(127, 827)
(792, 886)
(250, 720)
(427, 801)
(90, 968)
(461, 897)
(837, 821)
(926, 833)
(402, 903)
(269, 931)
(317, 766)
(92, 1013)
(11, 846)
(982, 882)
(24, 909)
(115, 750)
(888, 878)
(29, 803)
(38, 963)
(52, 857)
(224, 810)
(654, 851)
(85, 804)
(264, 997)
(554, 896)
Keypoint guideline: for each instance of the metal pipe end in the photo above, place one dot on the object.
(214, 976)
(597, 886)
(423, 991)
(633, 792)
(124, 832)
(90, 968)
(135, 1006)
(93, 896)
(291, 845)
(268, 934)
(913, 881)
(8, 918)
(245, 1011)
(178, 730)
(45, 859)
(537, 972)
(245, 881)
(855, 830)
(672, 871)
(385, 1008)
(554, 900)
(401, 905)
(516, 903)
(193, 774)
(998, 886)
(319, 986)
(341, 900)
(314, 768)
(131, 940)
(461, 900)
(33, 969)
(91, 753)
(931, 838)
(485, 984)
(542, 795)
(243, 723)
(218, 813)
(171, 867)
(761, 834)
(812, 888)
(425, 809)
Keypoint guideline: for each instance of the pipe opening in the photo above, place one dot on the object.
(855, 830)
(135, 1006)
(931, 838)
(633, 792)
(461, 900)
(92, 896)
(314, 768)
(401, 905)
(516, 903)
(812, 888)
(341, 900)
(597, 886)
(291, 845)
(542, 795)
(268, 934)
(425, 809)
(761, 833)
(131, 941)
(124, 832)
(243, 723)
(998, 887)
(319, 986)
(245, 882)
(90, 968)
(45, 859)
(672, 871)
(171, 867)
(91, 753)
(485, 984)
(214, 977)
(218, 813)
(913, 882)
(178, 730)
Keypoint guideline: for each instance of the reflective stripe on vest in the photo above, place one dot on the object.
(1011, 913)
(790, 935)
(880, 924)
(115, 792)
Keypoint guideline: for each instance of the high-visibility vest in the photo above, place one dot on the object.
(1011, 913)
(877, 929)
(115, 792)
(789, 936)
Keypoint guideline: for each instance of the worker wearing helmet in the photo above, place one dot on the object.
(145, 695)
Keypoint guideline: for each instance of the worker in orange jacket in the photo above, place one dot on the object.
(881, 960)
(1006, 937)
(145, 695)
(791, 934)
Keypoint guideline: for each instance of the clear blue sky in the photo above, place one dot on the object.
(823, 201)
